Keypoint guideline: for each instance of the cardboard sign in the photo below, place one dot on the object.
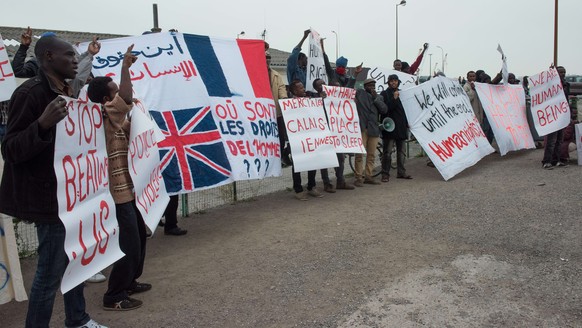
(86, 207)
(143, 158)
(312, 145)
(549, 107)
(315, 61)
(442, 120)
(7, 79)
(343, 119)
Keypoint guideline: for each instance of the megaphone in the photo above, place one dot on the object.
(387, 124)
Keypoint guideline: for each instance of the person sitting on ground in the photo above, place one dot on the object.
(370, 105)
(298, 90)
(117, 102)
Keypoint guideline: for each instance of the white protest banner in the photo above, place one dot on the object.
(504, 106)
(578, 128)
(442, 120)
(343, 119)
(381, 75)
(315, 61)
(549, 107)
(243, 105)
(312, 145)
(151, 197)
(212, 96)
(7, 79)
(11, 283)
(86, 207)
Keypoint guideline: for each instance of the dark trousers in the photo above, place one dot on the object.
(297, 180)
(285, 150)
(552, 147)
(132, 241)
(171, 214)
(339, 171)
(387, 146)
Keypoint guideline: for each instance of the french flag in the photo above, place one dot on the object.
(224, 72)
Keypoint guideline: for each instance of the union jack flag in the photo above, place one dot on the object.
(192, 155)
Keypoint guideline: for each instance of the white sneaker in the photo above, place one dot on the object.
(98, 277)
(91, 324)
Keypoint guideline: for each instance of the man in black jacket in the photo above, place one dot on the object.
(29, 185)
(398, 135)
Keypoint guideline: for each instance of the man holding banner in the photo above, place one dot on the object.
(553, 140)
(29, 185)
(370, 105)
(116, 103)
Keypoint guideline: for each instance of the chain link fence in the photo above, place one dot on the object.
(200, 201)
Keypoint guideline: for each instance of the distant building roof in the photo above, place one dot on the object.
(11, 37)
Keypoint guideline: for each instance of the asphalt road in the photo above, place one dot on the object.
(499, 245)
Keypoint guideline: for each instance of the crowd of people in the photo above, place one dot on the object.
(29, 188)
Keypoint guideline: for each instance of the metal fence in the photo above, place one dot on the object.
(200, 201)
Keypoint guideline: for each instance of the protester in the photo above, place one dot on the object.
(297, 62)
(397, 64)
(3, 118)
(339, 170)
(469, 88)
(28, 69)
(171, 215)
(397, 137)
(29, 187)
(553, 140)
(298, 90)
(279, 91)
(340, 74)
(569, 142)
(116, 103)
(370, 105)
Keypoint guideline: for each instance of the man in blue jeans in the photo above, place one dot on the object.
(29, 185)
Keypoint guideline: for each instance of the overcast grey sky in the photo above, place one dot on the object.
(467, 30)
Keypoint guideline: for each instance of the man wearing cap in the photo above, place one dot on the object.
(370, 105)
(398, 135)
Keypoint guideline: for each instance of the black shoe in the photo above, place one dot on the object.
(177, 231)
(125, 305)
(140, 287)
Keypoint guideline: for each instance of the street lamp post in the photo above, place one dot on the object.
(241, 33)
(336, 44)
(429, 65)
(556, 34)
(442, 59)
(402, 3)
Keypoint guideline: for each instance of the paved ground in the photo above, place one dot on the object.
(497, 246)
